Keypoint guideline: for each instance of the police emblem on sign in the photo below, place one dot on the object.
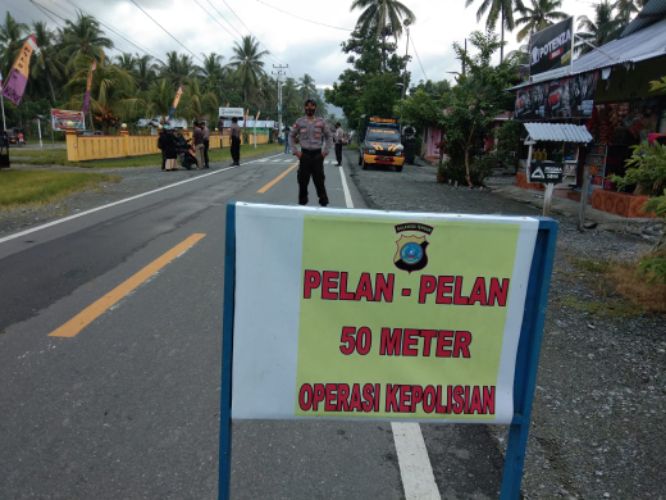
(411, 252)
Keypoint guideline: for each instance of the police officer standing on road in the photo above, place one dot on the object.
(313, 135)
(339, 141)
(235, 134)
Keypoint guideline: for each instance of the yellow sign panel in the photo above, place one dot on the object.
(402, 320)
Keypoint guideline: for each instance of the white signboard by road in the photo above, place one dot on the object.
(231, 112)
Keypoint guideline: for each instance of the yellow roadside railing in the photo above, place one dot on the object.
(83, 148)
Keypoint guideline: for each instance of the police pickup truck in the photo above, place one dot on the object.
(381, 144)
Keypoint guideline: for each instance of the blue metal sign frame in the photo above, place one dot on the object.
(527, 358)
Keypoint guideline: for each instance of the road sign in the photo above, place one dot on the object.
(231, 112)
(377, 315)
(547, 172)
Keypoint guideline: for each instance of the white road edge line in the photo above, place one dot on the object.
(418, 479)
(113, 204)
(345, 189)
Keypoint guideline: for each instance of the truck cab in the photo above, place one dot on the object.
(381, 144)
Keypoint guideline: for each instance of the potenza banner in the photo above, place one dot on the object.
(377, 315)
(551, 47)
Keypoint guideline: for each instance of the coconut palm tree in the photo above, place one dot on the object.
(247, 64)
(625, 10)
(498, 9)
(212, 72)
(11, 40)
(46, 67)
(382, 18)
(541, 15)
(306, 87)
(83, 38)
(605, 27)
(144, 71)
(113, 94)
(178, 68)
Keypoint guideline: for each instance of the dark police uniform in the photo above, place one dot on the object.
(315, 140)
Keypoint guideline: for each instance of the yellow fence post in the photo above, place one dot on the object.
(124, 135)
(71, 139)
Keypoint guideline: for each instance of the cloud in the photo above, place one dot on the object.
(305, 46)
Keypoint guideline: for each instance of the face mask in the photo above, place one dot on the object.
(309, 111)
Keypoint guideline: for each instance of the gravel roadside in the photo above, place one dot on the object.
(598, 426)
(598, 422)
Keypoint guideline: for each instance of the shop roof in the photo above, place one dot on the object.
(647, 43)
(653, 11)
(558, 132)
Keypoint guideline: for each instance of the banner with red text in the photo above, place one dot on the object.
(377, 315)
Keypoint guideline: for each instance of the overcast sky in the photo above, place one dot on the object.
(310, 45)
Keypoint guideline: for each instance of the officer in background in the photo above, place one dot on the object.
(235, 134)
(314, 137)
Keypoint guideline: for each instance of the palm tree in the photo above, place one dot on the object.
(212, 72)
(113, 94)
(46, 66)
(306, 87)
(625, 10)
(11, 40)
(502, 9)
(382, 18)
(247, 64)
(178, 68)
(541, 15)
(603, 29)
(84, 37)
(144, 71)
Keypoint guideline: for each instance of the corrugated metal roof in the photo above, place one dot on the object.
(653, 11)
(645, 44)
(558, 132)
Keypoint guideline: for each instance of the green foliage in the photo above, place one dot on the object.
(653, 267)
(646, 169)
(376, 71)
(509, 143)
(475, 100)
(132, 86)
(657, 205)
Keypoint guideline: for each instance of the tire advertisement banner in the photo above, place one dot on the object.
(551, 48)
(570, 97)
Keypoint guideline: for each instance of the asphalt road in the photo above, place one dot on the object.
(129, 407)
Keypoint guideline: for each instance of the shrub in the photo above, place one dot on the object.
(646, 169)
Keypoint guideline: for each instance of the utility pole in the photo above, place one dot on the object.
(279, 72)
(404, 82)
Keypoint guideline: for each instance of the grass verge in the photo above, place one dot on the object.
(34, 187)
(59, 157)
(623, 288)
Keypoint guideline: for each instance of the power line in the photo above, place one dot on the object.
(303, 18)
(214, 19)
(163, 29)
(225, 19)
(418, 58)
(237, 16)
(49, 13)
(114, 31)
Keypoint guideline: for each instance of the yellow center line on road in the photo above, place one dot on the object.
(272, 183)
(75, 325)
